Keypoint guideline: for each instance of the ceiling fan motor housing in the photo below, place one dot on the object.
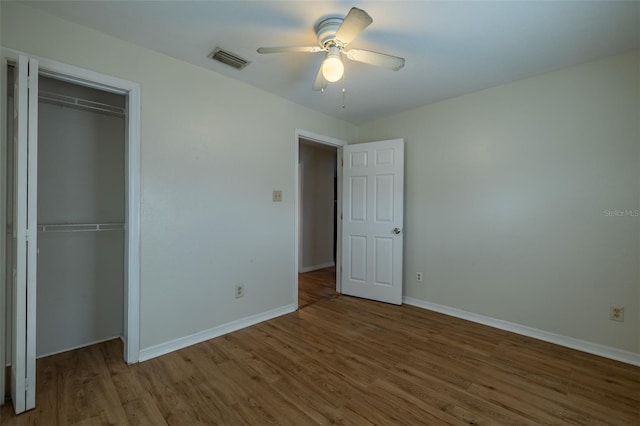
(326, 31)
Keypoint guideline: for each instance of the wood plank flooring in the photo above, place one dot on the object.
(315, 286)
(340, 361)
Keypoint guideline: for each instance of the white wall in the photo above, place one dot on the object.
(506, 197)
(319, 163)
(208, 221)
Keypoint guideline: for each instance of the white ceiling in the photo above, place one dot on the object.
(451, 47)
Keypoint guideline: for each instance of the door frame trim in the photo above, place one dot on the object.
(77, 75)
(300, 204)
(3, 224)
(338, 144)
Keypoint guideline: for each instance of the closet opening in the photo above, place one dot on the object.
(88, 243)
(81, 219)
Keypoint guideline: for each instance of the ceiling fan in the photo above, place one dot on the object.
(334, 34)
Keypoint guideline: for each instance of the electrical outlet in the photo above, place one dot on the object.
(616, 313)
(277, 195)
(239, 290)
(419, 277)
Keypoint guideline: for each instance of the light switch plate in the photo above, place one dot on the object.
(277, 195)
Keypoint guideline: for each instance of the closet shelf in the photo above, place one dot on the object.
(81, 227)
(57, 99)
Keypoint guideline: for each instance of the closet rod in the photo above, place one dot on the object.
(81, 227)
(58, 99)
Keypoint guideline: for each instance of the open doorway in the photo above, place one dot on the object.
(318, 222)
(318, 250)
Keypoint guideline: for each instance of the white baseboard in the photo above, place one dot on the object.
(569, 342)
(183, 342)
(316, 267)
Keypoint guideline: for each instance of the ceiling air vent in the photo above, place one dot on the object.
(228, 58)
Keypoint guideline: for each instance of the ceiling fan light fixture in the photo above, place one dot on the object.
(332, 66)
(334, 35)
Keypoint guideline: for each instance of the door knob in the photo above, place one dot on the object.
(396, 231)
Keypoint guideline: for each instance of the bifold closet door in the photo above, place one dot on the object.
(23, 360)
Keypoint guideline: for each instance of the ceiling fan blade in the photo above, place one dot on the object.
(355, 22)
(290, 49)
(320, 83)
(375, 58)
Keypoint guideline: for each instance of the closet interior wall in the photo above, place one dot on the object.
(81, 204)
(81, 180)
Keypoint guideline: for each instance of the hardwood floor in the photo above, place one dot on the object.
(315, 286)
(340, 361)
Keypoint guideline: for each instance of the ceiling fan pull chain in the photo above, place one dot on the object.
(344, 89)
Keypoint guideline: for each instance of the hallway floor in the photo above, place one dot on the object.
(315, 286)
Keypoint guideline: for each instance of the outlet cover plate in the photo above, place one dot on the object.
(617, 313)
(239, 291)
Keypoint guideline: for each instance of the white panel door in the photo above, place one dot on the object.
(372, 219)
(23, 360)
